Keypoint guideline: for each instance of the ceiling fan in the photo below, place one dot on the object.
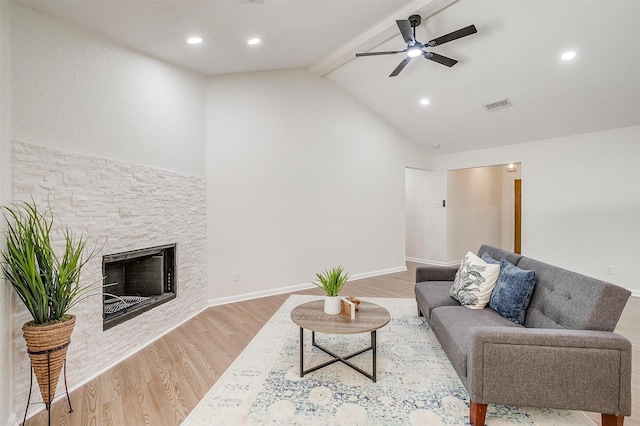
(415, 48)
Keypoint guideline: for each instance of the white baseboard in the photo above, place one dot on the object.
(433, 262)
(378, 273)
(298, 287)
(13, 420)
(258, 294)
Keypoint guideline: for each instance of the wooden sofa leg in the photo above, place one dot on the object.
(477, 413)
(612, 420)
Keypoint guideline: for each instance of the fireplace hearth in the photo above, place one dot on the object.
(137, 281)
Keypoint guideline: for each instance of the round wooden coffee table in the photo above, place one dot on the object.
(369, 318)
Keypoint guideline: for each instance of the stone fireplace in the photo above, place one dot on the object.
(137, 281)
(121, 208)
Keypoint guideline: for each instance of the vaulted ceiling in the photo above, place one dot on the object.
(515, 56)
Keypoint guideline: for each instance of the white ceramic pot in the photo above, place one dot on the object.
(332, 305)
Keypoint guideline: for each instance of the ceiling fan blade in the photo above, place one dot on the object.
(389, 52)
(440, 59)
(400, 67)
(407, 32)
(463, 32)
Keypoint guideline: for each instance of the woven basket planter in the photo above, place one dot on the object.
(53, 338)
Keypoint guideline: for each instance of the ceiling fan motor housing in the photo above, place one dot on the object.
(415, 20)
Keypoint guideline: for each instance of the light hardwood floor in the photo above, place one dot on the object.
(163, 382)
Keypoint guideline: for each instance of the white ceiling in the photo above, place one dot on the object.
(514, 55)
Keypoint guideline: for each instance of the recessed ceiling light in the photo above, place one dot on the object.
(253, 41)
(424, 101)
(567, 56)
(194, 40)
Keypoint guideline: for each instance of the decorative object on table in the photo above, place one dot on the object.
(48, 283)
(348, 308)
(331, 281)
(354, 300)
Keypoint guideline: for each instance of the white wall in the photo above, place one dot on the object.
(5, 195)
(82, 94)
(76, 91)
(300, 177)
(580, 200)
(426, 216)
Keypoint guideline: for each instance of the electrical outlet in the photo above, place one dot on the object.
(234, 276)
(609, 269)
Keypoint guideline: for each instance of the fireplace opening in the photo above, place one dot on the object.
(137, 281)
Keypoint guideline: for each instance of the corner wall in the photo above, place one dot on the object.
(301, 177)
(6, 321)
(474, 213)
(580, 200)
(79, 92)
(115, 141)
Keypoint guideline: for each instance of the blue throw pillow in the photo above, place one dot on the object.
(487, 258)
(513, 291)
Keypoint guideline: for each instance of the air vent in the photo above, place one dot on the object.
(498, 105)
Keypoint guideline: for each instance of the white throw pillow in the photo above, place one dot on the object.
(474, 282)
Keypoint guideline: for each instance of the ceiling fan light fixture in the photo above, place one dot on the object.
(414, 51)
(414, 48)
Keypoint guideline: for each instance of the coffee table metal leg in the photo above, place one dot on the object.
(373, 346)
(301, 352)
(338, 358)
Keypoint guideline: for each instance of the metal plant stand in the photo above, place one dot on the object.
(48, 352)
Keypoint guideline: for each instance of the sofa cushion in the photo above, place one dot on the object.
(474, 282)
(513, 291)
(451, 325)
(565, 299)
(433, 294)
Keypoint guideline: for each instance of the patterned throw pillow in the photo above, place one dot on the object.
(474, 282)
(513, 291)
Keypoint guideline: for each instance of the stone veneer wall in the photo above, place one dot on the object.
(125, 207)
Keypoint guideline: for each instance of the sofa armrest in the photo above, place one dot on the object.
(558, 368)
(435, 273)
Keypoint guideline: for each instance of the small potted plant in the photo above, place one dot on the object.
(331, 281)
(48, 283)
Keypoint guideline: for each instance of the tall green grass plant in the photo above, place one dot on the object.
(47, 283)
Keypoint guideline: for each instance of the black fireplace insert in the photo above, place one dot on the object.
(136, 281)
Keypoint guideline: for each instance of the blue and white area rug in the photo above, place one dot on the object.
(416, 384)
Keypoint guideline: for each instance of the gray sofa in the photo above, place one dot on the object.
(566, 354)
